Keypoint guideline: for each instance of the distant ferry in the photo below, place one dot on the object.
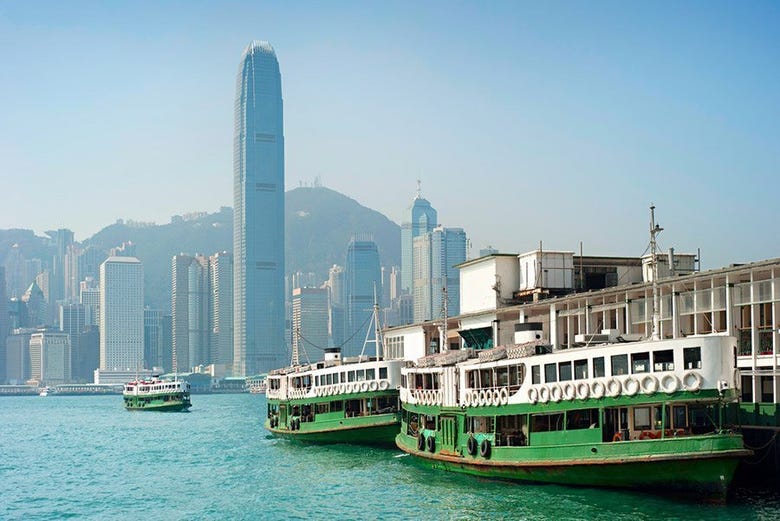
(45, 391)
(157, 395)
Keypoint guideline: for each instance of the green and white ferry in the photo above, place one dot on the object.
(336, 400)
(157, 395)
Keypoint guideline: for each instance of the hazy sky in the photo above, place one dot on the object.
(526, 121)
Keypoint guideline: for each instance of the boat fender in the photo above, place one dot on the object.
(613, 387)
(692, 381)
(597, 389)
(471, 446)
(670, 383)
(384, 385)
(583, 390)
(544, 394)
(421, 441)
(431, 443)
(569, 391)
(533, 395)
(555, 393)
(374, 385)
(630, 386)
(649, 384)
(503, 396)
(484, 448)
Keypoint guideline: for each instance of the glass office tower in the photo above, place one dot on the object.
(258, 226)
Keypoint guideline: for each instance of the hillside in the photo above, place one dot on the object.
(319, 224)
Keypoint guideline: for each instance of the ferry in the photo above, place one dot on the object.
(626, 412)
(337, 400)
(157, 395)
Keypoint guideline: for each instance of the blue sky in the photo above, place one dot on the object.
(547, 121)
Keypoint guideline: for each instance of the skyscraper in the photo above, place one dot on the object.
(362, 277)
(309, 323)
(435, 254)
(121, 314)
(422, 219)
(258, 218)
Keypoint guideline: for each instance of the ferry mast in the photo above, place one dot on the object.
(654, 231)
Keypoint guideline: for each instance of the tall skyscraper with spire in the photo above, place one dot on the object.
(422, 219)
(258, 222)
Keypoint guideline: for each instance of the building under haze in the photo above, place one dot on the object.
(421, 220)
(121, 314)
(258, 219)
(362, 283)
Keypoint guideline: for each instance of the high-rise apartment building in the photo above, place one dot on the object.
(258, 202)
(221, 308)
(421, 219)
(435, 255)
(309, 323)
(362, 283)
(73, 320)
(50, 357)
(153, 339)
(121, 314)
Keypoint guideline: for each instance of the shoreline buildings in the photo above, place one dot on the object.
(258, 221)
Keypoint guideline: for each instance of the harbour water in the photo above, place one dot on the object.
(85, 457)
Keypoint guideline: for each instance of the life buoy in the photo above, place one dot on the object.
(467, 399)
(692, 381)
(503, 396)
(555, 393)
(484, 448)
(613, 387)
(471, 446)
(670, 383)
(482, 398)
(384, 385)
(583, 390)
(544, 394)
(597, 389)
(495, 398)
(569, 392)
(364, 386)
(373, 385)
(342, 388)
(431, 443)
(617, 437)
(421, 442)
(649, 384)
(533, 395)
(630, 386)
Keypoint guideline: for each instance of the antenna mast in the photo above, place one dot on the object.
(654, 231)
(444, 342)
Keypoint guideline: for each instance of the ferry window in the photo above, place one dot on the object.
(747, 388)
(640, 363)
(370, 374)
(692, 358)
(582, 419)
(663, 360)
(564, 371)
(619, 364)
(486, 378)
(361, 375)
(471, 379)
(680, 417)
(502, 376)
(403, 381)
(536, 377)
(430, 422)
(317, 380)
(546, 422)
(598, 367)
(336, 406)
(383, 372)
(335, 378)
(550, 373)
(516, 375)
(343, 377)
(580, 369)
(322, 408)
(483, 424)
(658, 413)
(328, 379)
(642, 418)
(351, 376)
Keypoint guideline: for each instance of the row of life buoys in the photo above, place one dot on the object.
(486, 397)
(612, 387)
(427, 397)
(330, 390)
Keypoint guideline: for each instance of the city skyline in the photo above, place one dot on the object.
(564, 118)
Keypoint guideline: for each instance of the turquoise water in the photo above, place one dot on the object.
(88, 458)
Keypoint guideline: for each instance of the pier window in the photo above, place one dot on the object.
(383, 372)
(582, 419)
(619, 365)
(692, 358)
(580, 369)
(640, 363)
(663, 360)
(550, 373)
(564, 371)
(598, 367)
(536, 376)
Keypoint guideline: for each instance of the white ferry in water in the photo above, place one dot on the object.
(157, 395)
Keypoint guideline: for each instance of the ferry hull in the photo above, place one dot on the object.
(376, 433)
(168, 407)
(705, 475)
